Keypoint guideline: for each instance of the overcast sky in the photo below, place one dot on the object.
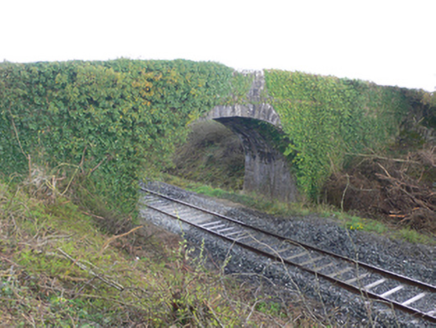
(389, 42)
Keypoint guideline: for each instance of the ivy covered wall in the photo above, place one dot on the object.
(115, 119)
(326, 118)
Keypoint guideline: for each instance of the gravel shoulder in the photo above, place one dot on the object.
(413, 260)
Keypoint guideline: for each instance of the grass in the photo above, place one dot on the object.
(412, 236)
(59, 269)
(352, 222)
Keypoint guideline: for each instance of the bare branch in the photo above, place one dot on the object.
(106, 244)
(85, 268)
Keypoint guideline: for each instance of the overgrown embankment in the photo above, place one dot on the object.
(75, 138)
(58, 269)
(399, 190)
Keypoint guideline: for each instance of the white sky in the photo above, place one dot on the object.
(389, 42)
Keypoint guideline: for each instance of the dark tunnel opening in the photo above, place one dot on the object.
(267, 170)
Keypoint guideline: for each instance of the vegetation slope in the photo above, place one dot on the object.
(60, 266)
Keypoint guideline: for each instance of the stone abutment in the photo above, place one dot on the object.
(267, 171)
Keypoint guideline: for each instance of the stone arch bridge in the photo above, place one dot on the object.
(267, 171)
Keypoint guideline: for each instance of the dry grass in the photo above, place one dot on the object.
(400, 190)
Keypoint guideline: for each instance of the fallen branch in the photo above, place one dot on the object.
(85, 268)
(94, 216)
(106, 244)
(83, 159)
(98, 165)
(386, 171)
(384, 158)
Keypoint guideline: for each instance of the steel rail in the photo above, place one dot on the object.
(380, 271)
(348, 286)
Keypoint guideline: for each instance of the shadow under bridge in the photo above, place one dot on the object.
(267, 171)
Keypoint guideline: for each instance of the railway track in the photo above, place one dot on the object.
(398, 291)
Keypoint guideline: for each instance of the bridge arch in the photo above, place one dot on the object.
(262, 112)
(258, 125)
(267, 171)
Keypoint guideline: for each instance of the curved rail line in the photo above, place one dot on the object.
(358, 277)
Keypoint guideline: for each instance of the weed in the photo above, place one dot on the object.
(376, 226)
(412, 236)
(270, 308)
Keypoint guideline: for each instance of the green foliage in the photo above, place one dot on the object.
(327, 118)
(358, 223)
(429, 98)
(241, 84)
(117, 120)
(414, 237)
(352, 222)
(270, 307)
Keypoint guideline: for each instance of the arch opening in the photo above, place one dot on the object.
(267, 171)
(258, 126)
(213, 155)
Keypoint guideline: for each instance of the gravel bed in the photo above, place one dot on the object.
(416, 261)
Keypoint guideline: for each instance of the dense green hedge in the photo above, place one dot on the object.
(126, 115)
(326, 117)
